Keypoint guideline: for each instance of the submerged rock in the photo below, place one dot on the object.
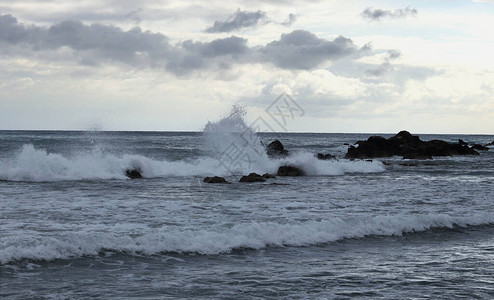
(134, 173)
(276, 149)
(252, 177)
(406, 145)
(268, 176)
(322, 156)
(215, 179)
(480, 147)
(290, 171)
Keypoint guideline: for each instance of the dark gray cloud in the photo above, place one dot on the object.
(105, 42)
(219, 53)
(291, 19)
(96, 44)
(378, 14)
(301, 49)
(240, 19)
(385, 67)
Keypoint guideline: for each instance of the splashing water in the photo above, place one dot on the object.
(236, 146)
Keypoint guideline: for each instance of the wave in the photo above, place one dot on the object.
(228, 133)
(224, 240)
(31, 164)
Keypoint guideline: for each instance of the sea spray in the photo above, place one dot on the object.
(232, 148)
(236, 146)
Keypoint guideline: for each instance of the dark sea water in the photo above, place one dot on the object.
(72, 226)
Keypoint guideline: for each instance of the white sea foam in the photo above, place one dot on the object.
(32, 164)
(230, 132)
(223, 240)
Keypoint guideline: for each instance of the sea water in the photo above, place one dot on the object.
(72, 225)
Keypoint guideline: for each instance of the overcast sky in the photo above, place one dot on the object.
(353, 66)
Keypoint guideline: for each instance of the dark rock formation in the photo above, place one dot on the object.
(276, 149)
(480, 147)
(134, 173)
(252, 177)
(290, 171)
(268, 176)
(462, 142)
(215, 179)
(322, 156)
(406, 145)
(490, 144)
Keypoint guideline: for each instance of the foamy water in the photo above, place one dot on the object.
(149, 241)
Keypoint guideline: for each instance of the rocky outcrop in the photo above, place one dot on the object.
(215, 179)
(408, 146)
(268, 176)
(480, 147)
(276, 149)
(252, 177)
(134, 173)
(322, 156)
(290, 171)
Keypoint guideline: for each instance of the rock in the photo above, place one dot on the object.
(215, 179)
(462, 142)
(290, 171)
(406, 145)
(276, 149)
(134, 173)
(322, 156)
(252, 177)
(490, 144)
(268, 176)
(480, 147)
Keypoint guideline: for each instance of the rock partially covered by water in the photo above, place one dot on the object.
(406, 145)
(268, 176)
(134, 173)
(322, 156)
(290, 171)
(215, 179)
(490, 144)
(480, 147)
(276, 149)
(252, 177)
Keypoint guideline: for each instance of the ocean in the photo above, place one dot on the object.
(73, 226)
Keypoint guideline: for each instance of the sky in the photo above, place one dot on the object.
(351, 66)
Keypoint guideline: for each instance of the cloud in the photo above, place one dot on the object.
(99, 44)
(384, 67)
(378, 14)
(240, 19)
(291, 19)
(219, 53)
(303, 50)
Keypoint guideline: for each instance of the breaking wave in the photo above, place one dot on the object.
(31, 164)
(223, 240)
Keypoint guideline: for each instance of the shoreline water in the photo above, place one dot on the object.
(394, 231)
